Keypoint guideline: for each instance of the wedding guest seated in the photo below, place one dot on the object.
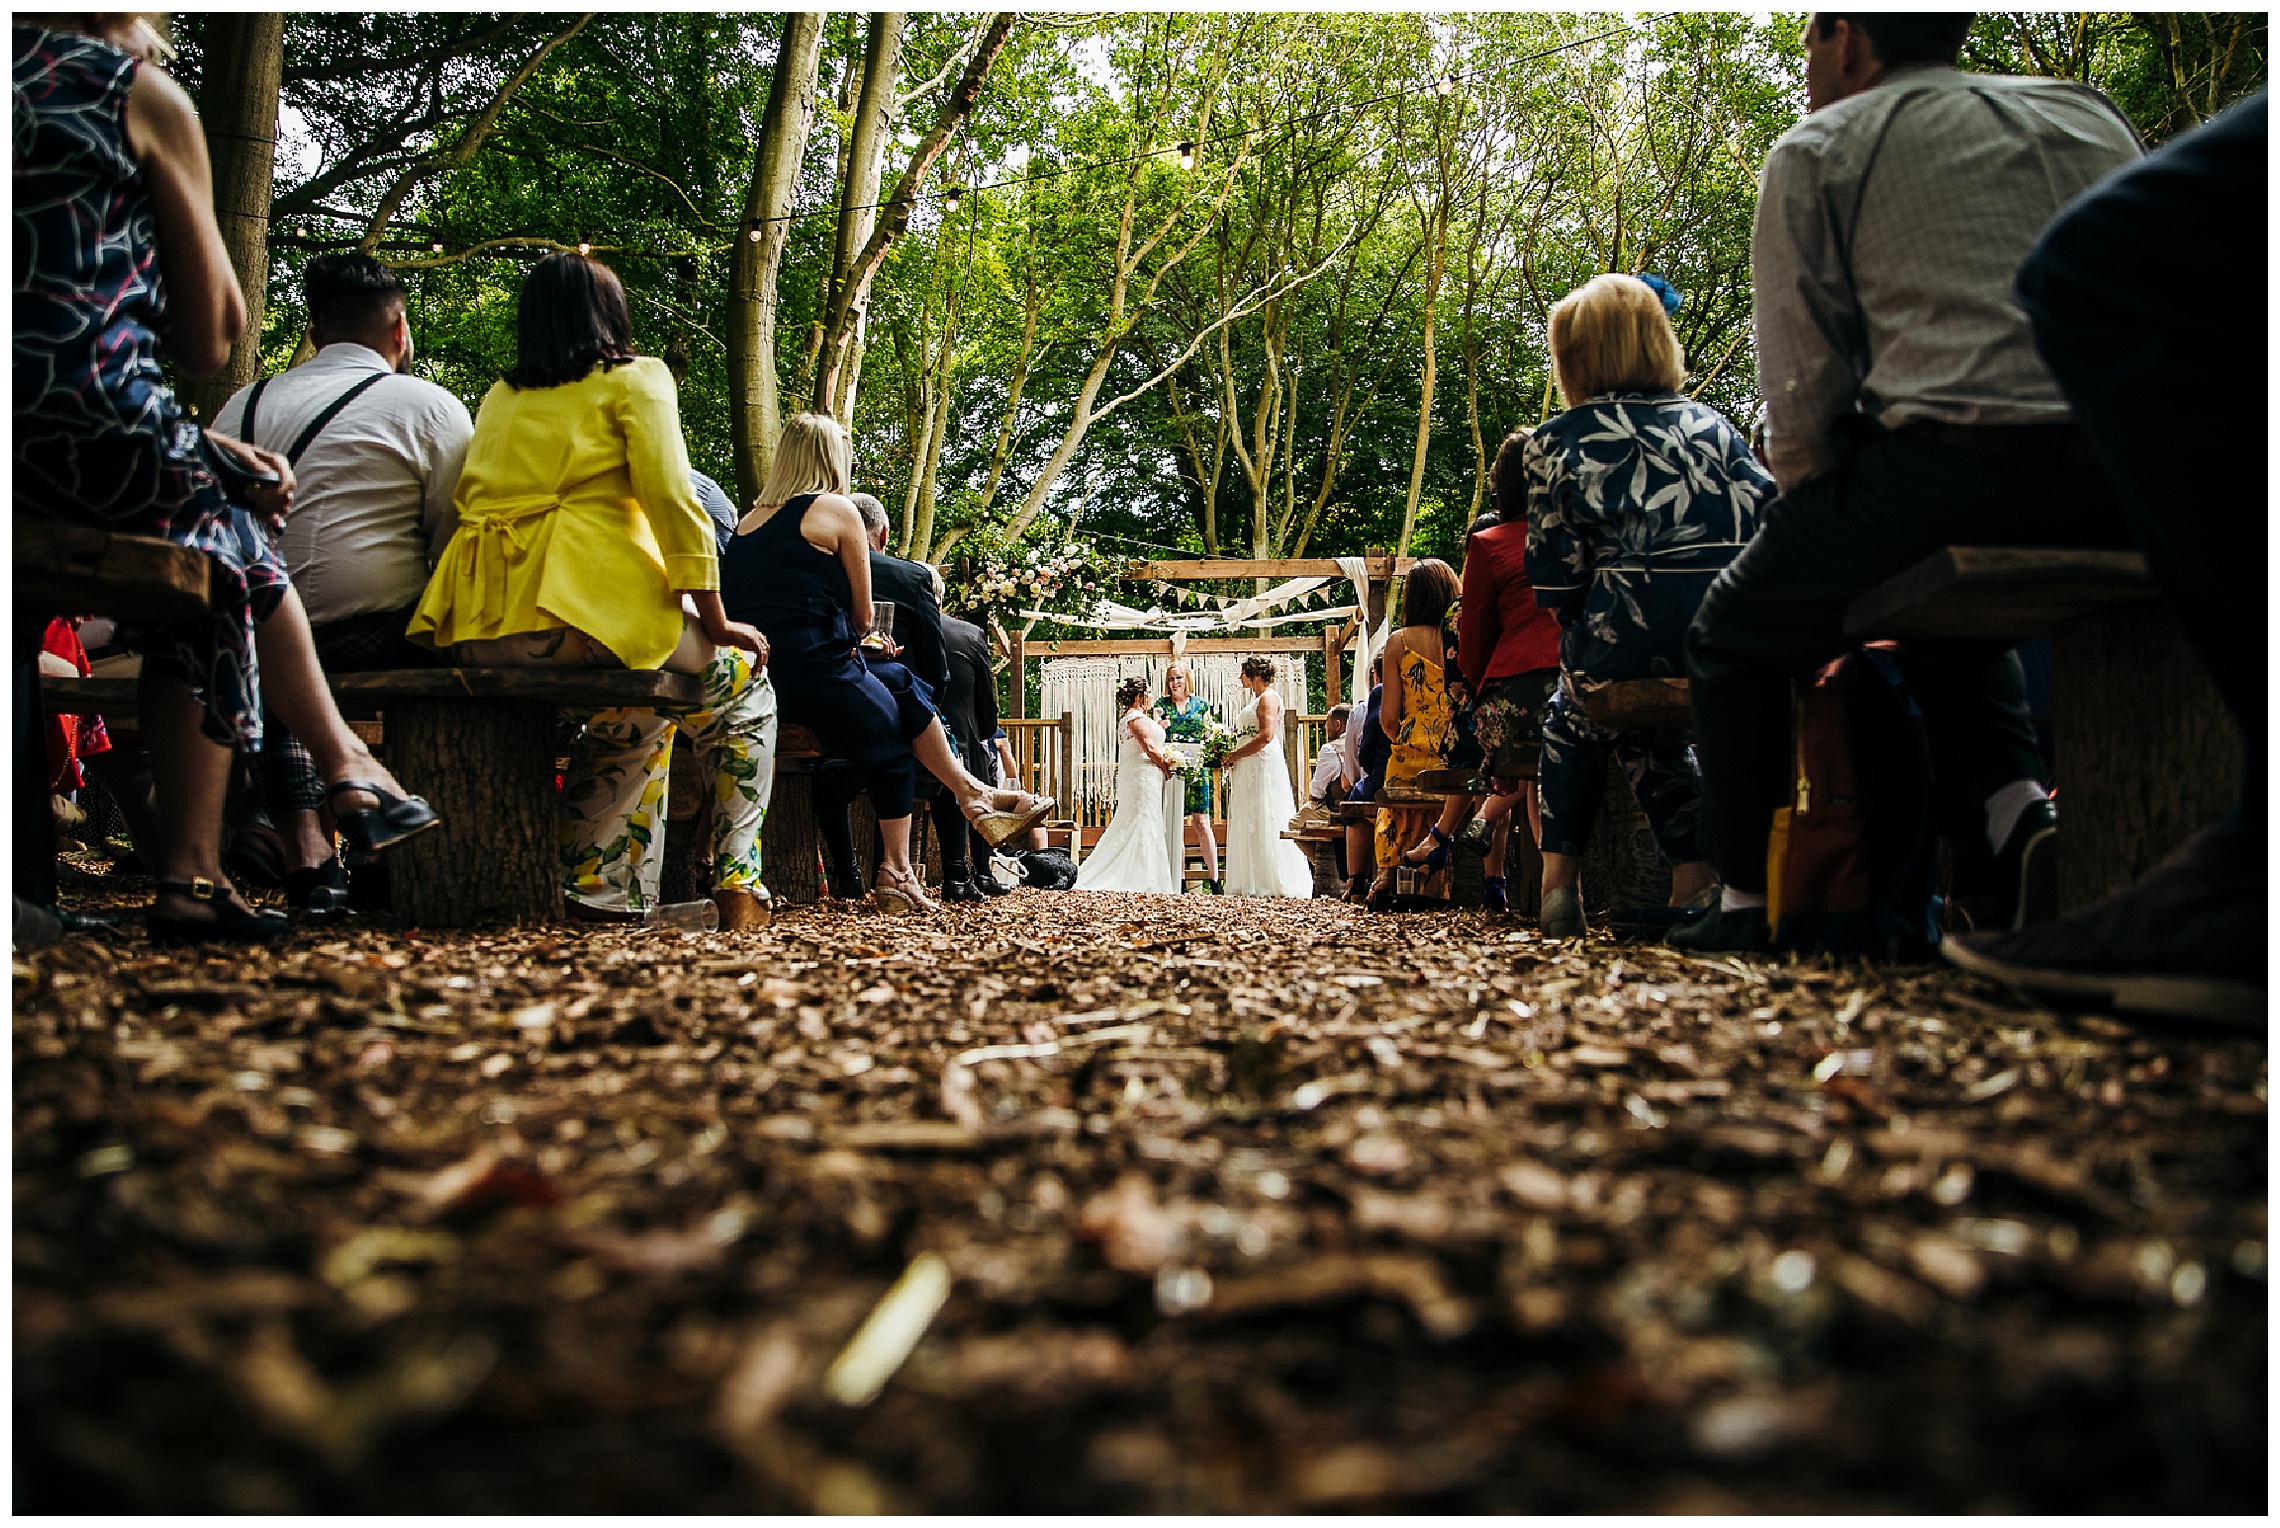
(970, 713)
(1326, 787)
(800, 570)
(1362, 772)
(376, 454)
(1417, 721)
(1906, 410)
(1508, 647)
(2118, 290)
(580, 544)
(915, 643)
(1637, 497)
(113, 186)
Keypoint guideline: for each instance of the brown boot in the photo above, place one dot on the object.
(741, 911)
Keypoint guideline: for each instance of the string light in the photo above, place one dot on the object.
(437, 247)
(753, 235)
(952, 197)
(584, 248)
(1448, 82)
(1187, 154)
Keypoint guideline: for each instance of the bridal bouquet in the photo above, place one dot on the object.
(1218, 742)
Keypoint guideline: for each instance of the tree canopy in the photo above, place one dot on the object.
(1249, 284)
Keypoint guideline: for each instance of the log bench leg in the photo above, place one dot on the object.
(488, 767)
(2147, 753)
(787, 839)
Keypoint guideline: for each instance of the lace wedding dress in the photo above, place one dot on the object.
(1260, 861)
(1130, 854)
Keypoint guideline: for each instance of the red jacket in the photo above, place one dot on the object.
(1501, 631)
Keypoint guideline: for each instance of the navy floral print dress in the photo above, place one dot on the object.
(99, 437)
(1636, 501)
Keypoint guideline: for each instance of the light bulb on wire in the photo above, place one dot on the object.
(753, 234)
(1446, 84)
(584, 248)
(436, 248)
(951, 198)
(1187, 154)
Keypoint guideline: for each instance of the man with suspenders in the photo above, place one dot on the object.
(377, 456)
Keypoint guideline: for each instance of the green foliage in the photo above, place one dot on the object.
(1331, 176)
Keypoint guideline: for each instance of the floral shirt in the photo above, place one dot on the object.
(1636, 501)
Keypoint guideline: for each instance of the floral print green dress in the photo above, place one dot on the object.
(1188, 724)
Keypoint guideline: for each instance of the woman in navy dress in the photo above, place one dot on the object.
(799, 568)
(1637, 497)
(116, 245)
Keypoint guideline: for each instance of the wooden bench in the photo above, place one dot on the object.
(480, 745)
(78, 570)
(1639, 703)
(2147, 754)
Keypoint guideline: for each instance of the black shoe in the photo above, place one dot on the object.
(960, 889)
(844, 882)
(987, 884)
(1723, 930)
(395, 819)
(319, 891)
(233, 922)
(84, 923)
(2187, 940)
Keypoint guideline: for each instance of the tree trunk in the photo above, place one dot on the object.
(756, 417)
(237, 100)
(945, 387)
(1425, 389)
(858, 205)
(488, 767)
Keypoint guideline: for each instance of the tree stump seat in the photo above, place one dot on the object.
(2147, 754)
(64, 569)
(1629, 704)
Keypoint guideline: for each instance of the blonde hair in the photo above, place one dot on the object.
(812, 456)
(1611, 333)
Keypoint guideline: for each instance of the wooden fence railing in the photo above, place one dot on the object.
(1044, 757)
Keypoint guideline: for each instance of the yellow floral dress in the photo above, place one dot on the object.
(1426, 720)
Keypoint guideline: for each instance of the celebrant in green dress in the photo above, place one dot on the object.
(1186, 716)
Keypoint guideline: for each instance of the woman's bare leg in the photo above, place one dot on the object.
(894, 847)
(191, 774)
(1202, 821)
(1562, 872)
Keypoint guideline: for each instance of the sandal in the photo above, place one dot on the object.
(1495, 897)
(897, 893)
(996, 827)
(1473, 837)
(395, 819)
(233, 922)
(1438, 859)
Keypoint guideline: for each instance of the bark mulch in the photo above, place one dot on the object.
(1201, 1205)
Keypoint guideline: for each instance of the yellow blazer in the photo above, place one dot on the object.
(575, 509)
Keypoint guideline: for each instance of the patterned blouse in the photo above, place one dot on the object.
(1636, 501)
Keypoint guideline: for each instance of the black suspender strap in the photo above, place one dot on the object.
(252, 405)
(317, 425)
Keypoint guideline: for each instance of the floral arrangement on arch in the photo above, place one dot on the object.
(1059, 578)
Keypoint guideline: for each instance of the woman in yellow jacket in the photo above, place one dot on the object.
(581, 542)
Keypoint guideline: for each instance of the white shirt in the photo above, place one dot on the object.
(1329, 771)
(373, 503)
(1936, 183)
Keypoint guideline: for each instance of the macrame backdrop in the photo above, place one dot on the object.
(1087, 687)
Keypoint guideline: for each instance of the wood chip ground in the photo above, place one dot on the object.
(1245, 1206)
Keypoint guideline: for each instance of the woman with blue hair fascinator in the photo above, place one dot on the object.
(1672, 298)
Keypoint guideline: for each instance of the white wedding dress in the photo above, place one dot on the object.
(1260, 861)
(1130, 854)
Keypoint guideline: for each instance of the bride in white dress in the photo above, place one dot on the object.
(1260, 861)
(1130, 855)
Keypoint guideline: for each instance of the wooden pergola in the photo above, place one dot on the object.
(1382, 566)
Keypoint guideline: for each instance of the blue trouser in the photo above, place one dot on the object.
(1659, 765)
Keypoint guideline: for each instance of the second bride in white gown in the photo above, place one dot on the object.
(1260, 861)
(1130, 855)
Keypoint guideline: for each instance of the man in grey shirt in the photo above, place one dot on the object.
(1906, 410)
